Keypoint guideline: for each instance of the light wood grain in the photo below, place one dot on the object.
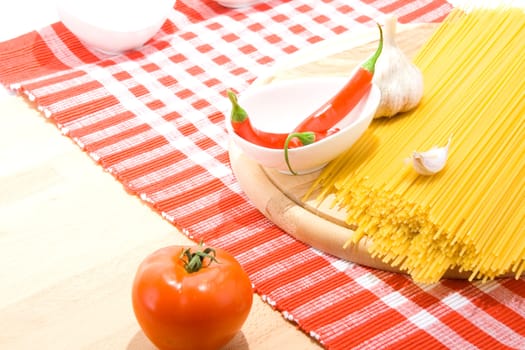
(71, 238)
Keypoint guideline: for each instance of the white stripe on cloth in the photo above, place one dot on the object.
(243, 232)
(263, 249)
(483, 320)
(285, 264)
(157, 123)
(414, 315)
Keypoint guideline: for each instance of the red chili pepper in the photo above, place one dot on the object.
(342, 103)
(241, 124)
(243, 127)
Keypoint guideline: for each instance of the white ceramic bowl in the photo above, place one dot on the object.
(238, 3)
(280, 106)
(114, 26)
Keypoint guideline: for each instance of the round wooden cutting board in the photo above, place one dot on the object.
(280, 196)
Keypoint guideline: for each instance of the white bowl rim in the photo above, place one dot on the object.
(292, 82)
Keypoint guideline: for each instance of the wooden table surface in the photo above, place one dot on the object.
(71, 239)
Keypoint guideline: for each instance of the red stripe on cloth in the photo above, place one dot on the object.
(86, 129)
(425, 9)
(122, 76)
(155, 104)
(224, 158)
(27, 57)
(185, 7)
(68, 92)
(392, 6)
(134, 55)
(303, 269)
(160, 45)
(418, 8)
(479, 338)
(324, 286)
(219, 118)
(479, 298)
(462, 302)
(357, 299)
(137, 149)
(146, 167)
(375, 325)
(251, 220)
(516, 286)
(73, 113)
(106, 63)
(105, 141)
(164, 180)
(196, 193)
(167, 80)
(268, 253)
(169, 27)
(72, 42)
(247, 230)
(419, 340)
(53, 80)
(139, 90)
(505, 315)
(274, 256)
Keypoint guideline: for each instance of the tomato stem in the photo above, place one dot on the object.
(194, 260)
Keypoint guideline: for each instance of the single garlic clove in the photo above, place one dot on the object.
(432, 161)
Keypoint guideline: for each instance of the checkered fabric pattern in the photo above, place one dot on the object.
(154, 118)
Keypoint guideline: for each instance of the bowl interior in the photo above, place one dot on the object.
(279, 107)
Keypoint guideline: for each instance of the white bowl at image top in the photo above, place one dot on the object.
(114, 26)
(238, 3)
(279, 107)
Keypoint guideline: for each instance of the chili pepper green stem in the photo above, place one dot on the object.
(238, 114)
(370, 63)
(306, 138)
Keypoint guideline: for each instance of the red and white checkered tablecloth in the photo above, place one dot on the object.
(154, 118)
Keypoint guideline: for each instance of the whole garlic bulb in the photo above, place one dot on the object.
(400, 80)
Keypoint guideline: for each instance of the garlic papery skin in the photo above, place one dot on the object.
(430, 162)
(400, 80)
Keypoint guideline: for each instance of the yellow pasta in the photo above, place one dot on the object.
(470, 216)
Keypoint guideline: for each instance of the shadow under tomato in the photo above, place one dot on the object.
(238, 342)
(141, 342)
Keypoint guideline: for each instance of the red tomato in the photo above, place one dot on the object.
(179, 310)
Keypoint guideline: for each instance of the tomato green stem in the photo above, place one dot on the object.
(306, 138)
(194, 260)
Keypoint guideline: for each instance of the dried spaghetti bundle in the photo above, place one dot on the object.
(471, 215)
